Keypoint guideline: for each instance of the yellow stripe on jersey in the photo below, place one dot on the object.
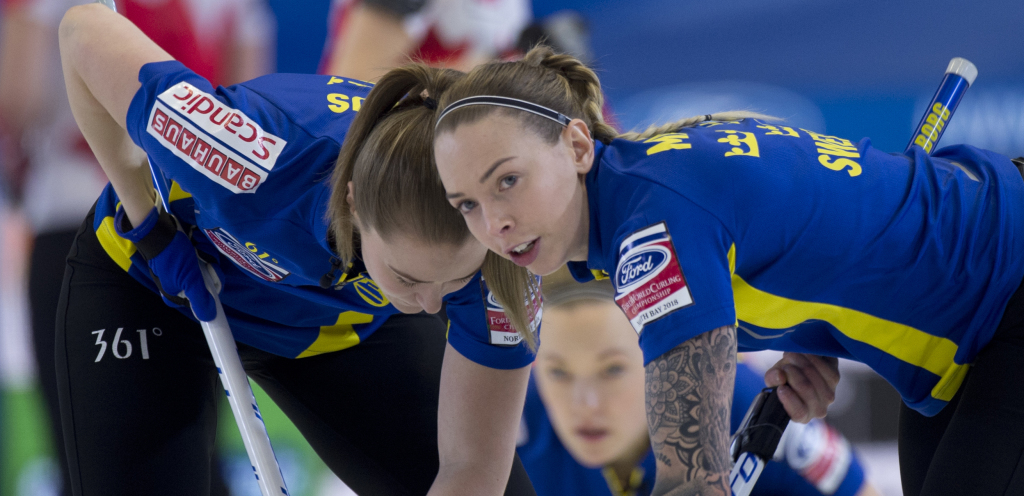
(119, 249)
(732, 260)
(732, 273)
(339, 336)
(950, 382)
(636, 478)
(177, 193)
(932, 353)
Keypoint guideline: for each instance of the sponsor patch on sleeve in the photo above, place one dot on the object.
(499, 325)
(243, 257)
(649, 284)
(221, 142)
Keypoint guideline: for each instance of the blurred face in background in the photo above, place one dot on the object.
(590, 375)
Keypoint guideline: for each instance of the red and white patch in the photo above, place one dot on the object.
(232, 127)
(216, 161)
(648, 281)
(819, 453)
(244, 257)
(499, 325)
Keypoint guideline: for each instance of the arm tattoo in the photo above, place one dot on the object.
(689, 393)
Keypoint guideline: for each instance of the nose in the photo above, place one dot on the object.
(430, 299)
(498, 222)
(585, 395)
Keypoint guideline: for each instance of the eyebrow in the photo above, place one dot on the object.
(413, 279)
(610, 352)
(495, 166)
(483, 178)
(607, 353)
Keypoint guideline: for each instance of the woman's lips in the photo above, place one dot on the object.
(591, 434)
(527, 257)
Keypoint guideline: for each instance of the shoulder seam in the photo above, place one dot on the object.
(728, 228)
(279, 109)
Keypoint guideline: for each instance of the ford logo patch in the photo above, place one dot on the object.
(493, 302)
(640, 266)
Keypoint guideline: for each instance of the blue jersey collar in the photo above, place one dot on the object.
(580, 270)
(595, 252)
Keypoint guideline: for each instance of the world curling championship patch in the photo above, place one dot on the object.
(648, 281)
(499, 325)
(243, 257)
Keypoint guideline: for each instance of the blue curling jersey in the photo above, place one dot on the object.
(554, 472)
(248, 167)
(810, 243)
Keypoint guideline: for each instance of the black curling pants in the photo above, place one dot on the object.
(975, 445)
(46, 271)
(139, 393)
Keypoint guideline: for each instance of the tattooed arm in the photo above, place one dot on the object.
(689, 395)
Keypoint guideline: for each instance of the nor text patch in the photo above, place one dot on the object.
(499, 325)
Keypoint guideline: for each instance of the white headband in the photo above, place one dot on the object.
(503, 101)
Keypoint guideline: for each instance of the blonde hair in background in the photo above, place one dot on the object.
(388, 157)
(562, 291)
(559, 82)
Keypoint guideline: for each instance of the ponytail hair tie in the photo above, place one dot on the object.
(707, 117)
(430, 103)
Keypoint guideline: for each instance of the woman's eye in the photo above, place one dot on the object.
(458, 282)
(405, 283)
(508, 181)
(558, 374)
(466, 206)
(614, 370)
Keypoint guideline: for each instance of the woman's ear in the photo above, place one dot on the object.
(350, 199)
(577, 136)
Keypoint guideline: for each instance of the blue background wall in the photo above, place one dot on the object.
(850, 68)
(866, 64)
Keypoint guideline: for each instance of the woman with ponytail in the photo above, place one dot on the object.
(331, 267)
(735, 231)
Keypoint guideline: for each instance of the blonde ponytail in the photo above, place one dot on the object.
(585, 88)
(518, 292)
(388, 157)
(672, 127)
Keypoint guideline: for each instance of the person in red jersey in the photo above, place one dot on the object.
(368, 37)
